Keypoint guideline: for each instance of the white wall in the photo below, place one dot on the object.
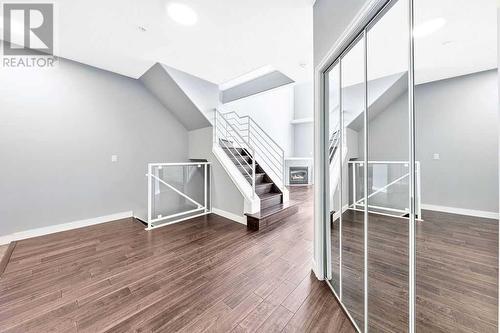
(58, 130)
(273, 110)
(225, 195)
(303, 137)
(458, 119)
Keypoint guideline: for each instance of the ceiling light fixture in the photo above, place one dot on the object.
(429, 27)
(182, 13)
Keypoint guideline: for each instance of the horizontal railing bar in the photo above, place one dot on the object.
(264, 156)
(382, 162)
(236, 121)
(281, 154)
(278, 159)
(177, 214)
(257, 126)
(381, 207)
(231, 126)
(242, 142)
(262, 151)
(262, 135)
(278, 173)
(267, 135)
(176, 221)
(178, 164)
(379, 213)
(270, 153)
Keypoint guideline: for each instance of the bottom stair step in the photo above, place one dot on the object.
(271, 215)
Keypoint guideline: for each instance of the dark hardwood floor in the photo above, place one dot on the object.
(203, 275)
(457, 270)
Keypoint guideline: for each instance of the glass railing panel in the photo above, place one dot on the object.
(178, 192)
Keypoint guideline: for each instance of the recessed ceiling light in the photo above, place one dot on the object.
(429, 27)
(182, 13)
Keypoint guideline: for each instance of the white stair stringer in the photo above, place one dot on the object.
(281, 186)
(252, 201)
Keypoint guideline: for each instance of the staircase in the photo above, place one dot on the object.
(260, 162)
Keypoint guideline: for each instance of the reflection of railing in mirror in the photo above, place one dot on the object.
(333, 144)
(388, 187)
(177, 191)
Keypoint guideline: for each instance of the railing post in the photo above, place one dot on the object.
(149, 195)
(284, 170)
(354, 185)
(205, 184)
(253, 172)
(215, 126)
(248, 130)
(419, 197)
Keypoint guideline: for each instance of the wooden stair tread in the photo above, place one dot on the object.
(263, 184)
(267, 212)
(257, 174)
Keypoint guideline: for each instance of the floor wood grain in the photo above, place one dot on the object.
(457, 270)
(208, 274)
(5, 253)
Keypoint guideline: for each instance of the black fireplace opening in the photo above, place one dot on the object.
(299, 175)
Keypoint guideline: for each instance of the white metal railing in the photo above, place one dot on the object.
(230, 138)
(357, 202)
(177, 192)
(248, 134)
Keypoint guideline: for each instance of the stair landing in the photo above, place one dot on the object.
(273, 214)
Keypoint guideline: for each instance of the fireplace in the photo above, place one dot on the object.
(299, 175)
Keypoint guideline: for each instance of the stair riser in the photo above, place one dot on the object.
(258, 179)
(270, 202)
(263, 189)
(256, 224)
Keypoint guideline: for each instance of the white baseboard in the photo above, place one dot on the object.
(315, 267)
(461, 211)
(230, 216)
(6, 239)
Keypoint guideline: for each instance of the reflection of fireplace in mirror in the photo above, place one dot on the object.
(299, 175)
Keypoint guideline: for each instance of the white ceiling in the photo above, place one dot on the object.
(231, 37)
(466, 44)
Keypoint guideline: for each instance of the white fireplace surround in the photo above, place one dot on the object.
(299, 162)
